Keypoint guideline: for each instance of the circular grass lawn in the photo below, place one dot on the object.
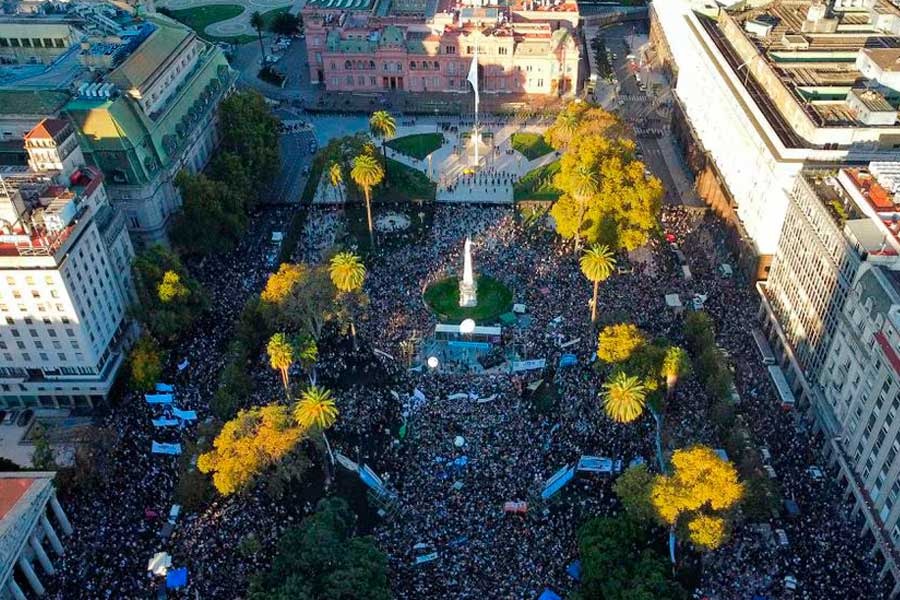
(494, 299)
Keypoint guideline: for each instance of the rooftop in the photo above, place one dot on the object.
(32, 102)
(11, 491)
(342, 4)
(47, 129)
(813, 56)
(150, 56)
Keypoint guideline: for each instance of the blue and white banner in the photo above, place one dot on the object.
(557, 481)
(528, 365)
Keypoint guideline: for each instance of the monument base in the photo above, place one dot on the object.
(468, 294)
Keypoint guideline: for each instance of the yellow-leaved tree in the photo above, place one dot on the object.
(252, 441)
(617, 343)
(607, 197)
(171, 288)
(279, 285)
(698, 495)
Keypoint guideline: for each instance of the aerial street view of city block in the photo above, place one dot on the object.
(449, 299)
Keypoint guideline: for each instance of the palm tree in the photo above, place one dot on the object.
(336, 178)
(347, 272)
(367, 172)
(597, 264)
(624, 397)
(383, 127)
(281, 357)
(675, 365)
(316, 408)
(568, 124)
(307, 353)
(258, 23)
(585, 186)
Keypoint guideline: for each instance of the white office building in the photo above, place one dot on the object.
(65, 279)
(768, 91)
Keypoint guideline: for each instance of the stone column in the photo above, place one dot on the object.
(41, 555)
(14, 589)
(31, 576)
(51, 535)
(60, 515)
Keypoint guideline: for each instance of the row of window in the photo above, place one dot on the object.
(32, 42)
(43, 356)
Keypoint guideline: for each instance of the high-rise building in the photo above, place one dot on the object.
(65, 277)
(837, 220)
(861, 383)
(830, 308)
(766, 91)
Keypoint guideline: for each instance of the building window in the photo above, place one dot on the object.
(449, 49)
(502, 51)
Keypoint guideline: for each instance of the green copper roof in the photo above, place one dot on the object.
(350, 46)
(342, 4)
(121, 137)
(391, 36)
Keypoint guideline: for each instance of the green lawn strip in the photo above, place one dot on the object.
(537, 184)
(418, 145)
(200, 17)
(530, 145)
(494, 299)
(404, 184)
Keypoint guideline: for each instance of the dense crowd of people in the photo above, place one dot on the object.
(471, 441)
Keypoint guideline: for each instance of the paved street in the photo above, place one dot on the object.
(661, 155)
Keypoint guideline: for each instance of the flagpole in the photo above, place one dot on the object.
(475, 126)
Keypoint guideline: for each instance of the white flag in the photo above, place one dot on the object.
(473, 75)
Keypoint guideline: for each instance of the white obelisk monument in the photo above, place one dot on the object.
(468, 289)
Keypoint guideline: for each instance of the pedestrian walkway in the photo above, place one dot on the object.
(675, 166)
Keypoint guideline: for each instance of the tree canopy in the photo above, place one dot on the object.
(212, 216)
(254, 440)
(321, 559)
(145, 363)
(701, 490)
(250, 133)
(617, 343)
(632, 489)
(169, 299)
(299, 298)
(606, 195)
(624, 397)
(619, 563)
(347, 272)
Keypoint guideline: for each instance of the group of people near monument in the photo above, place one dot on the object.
(459, 460)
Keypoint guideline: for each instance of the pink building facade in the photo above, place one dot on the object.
(360, 53)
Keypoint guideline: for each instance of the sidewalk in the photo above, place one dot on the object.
(676, 170)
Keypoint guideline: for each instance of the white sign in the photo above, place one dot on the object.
(528, 365)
